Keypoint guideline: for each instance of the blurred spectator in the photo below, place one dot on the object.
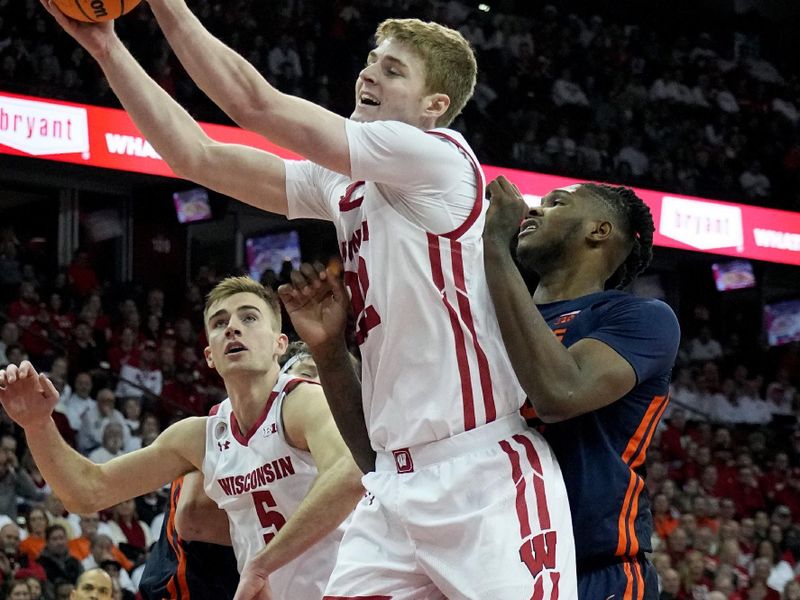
(79, 401)
(95, 419)
(754, 183)
(10, 540)
(37, 523)
(9, 336)
(112, 443)
(55, 557)
(81, 275)
(125, 351)
(101, 551)
(704, 347)
(81, 547)
(13, 483)
(128, 532)
(134, 380)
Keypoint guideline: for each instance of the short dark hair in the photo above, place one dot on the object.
(51, 528)
(636, 220)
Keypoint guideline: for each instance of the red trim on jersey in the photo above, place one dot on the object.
(519, 483)
(286, 390)
(538, 480)
(245, 439)
(468, 400)
(478, 204)
(634, 455)
(214, 409)
(466, 316)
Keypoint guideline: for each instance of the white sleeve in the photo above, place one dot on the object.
(425, 177)
(309, 190)
(400, 155)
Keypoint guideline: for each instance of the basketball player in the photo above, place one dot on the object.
(271, 455)
(601, 382)
(466, 501)
(195, 536)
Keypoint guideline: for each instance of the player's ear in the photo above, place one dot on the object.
(600, 231)
(209, 360)
(436, 105)
(281, 344)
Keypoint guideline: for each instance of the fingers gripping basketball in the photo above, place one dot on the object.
(95, 10)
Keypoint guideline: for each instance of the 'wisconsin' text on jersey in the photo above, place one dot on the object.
(257, 478)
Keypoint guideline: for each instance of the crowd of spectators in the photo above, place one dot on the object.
(581, 94)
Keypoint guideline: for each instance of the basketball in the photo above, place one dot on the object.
(95, 11)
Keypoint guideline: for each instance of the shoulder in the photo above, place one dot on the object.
(303, 402)
(299, 390)
(636, 305)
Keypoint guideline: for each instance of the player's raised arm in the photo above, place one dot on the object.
(247, 97)
(250, 175)
(317, 304)
(85, 487)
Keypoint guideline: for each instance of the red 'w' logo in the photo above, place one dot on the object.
(539, 552)
(347, 202)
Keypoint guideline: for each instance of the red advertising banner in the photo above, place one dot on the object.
(107, 138)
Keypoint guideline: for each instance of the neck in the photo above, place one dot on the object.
(568, 282)
(249, 393)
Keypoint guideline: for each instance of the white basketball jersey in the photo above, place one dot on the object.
(259, 480)
(434, 364)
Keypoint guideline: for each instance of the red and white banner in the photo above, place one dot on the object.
(107, 138)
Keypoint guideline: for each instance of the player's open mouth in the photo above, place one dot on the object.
(528, 226)
(366, 99)
(235, 348)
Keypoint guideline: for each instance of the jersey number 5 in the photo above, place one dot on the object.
(269, 519)
(366, 316)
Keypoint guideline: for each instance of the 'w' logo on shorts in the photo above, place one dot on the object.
(403, 461)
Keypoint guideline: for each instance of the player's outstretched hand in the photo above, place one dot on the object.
(28, 397)
(253, 584)
(317, 303)
(507, 208)
(94, 37)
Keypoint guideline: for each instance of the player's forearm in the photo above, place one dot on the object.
(164, 123)
(73, 478)
(343, 391)
(330, 500)
(545, 369)
(226, 77)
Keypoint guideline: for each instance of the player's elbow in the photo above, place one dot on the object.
(82, 505)
(255, 113)
(191, 164)
(555, 408)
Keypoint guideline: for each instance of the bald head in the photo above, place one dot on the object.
(9, 538)
(94, 583)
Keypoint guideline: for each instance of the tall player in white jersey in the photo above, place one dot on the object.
(270, 454)
(466, 501)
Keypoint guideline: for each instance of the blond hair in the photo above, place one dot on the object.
(239, 285)
(450, 66)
